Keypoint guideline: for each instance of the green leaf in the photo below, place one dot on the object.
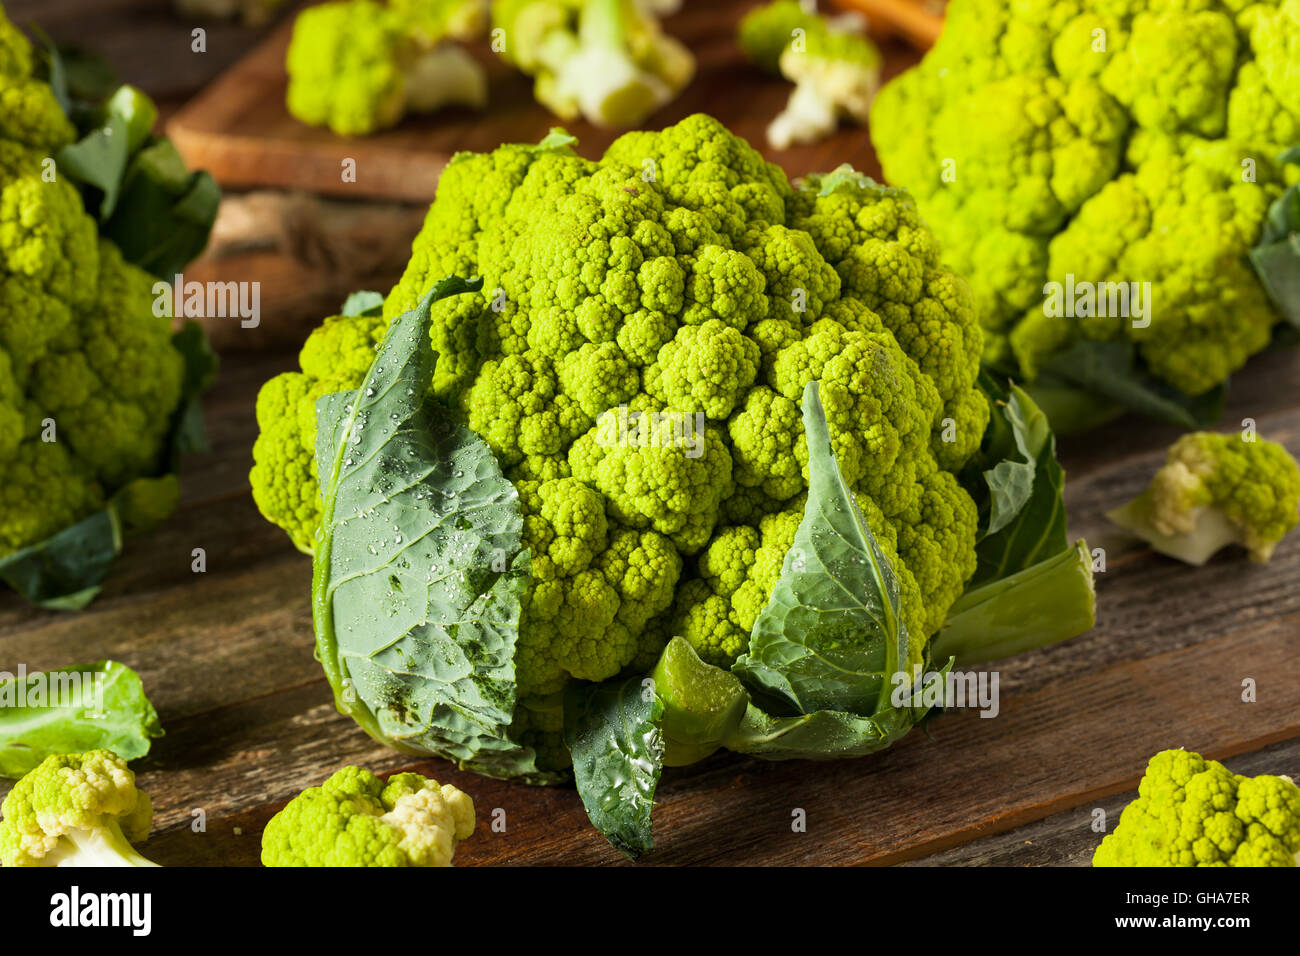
(1050, 601)
(612, 731)
(821, 735)
(187, 433)
(831, 635)
(99, 159)
(1276, 257)
(363, 303)
(420, 568)
(845, 175)
(1032, 519)
(85, 707)
(703, 704)
(101, 156)
(1070, 409)
(1008, 457)
(1112, 373)
(165, 212)
(557, 138)
(66, 571)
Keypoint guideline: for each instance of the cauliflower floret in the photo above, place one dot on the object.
(594, 586)
(358, 66)
(1095, 143)
(704, 368)
(1215, 490)
(1196, 812)
(75, 810)
(355, 819)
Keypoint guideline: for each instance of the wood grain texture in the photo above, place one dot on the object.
(227, 658)
(145, 41)
(1068, 838)
(239, 130)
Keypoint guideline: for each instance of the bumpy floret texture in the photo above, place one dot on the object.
(89, 377)
(356, 819)
(1114, 143)
(767, 31)
(636, 359)
(345, 67)
(1196, 812)
(75, 809)
(1254, 484)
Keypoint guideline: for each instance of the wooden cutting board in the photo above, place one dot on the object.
(239, 130)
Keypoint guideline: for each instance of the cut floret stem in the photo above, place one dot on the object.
(104, 845)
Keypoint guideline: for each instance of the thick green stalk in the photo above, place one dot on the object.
(1047, 602)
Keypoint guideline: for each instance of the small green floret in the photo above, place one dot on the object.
(358, 66)
(608, 61)
(835, 69)
(75, 810)
(1196, 812)
(356, 819)
(1216, 490)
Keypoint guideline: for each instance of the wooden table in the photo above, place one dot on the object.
(227, 658)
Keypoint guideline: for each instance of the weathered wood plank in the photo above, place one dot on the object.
(1067, 838)
(226, 656)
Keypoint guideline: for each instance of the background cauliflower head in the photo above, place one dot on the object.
(89, 376)
(1112, 143)
(636, 358)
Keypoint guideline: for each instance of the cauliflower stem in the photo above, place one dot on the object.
(608, 61)
(75, 810)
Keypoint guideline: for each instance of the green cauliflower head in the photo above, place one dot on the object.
(356, 819)
(89, 377)
(1111, 143)
(1196, 812)
(636, 359)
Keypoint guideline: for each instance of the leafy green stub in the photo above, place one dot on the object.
(1050, 601)
(831, 635)
(420, 568)
(99, 706)
(66, 571)
(612, 731)
(845, 175)
(165, 212)
(821, 735)
(1019, 491)
(363, 303)
(1111, 372)
(1276, 257)
(703, 704)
